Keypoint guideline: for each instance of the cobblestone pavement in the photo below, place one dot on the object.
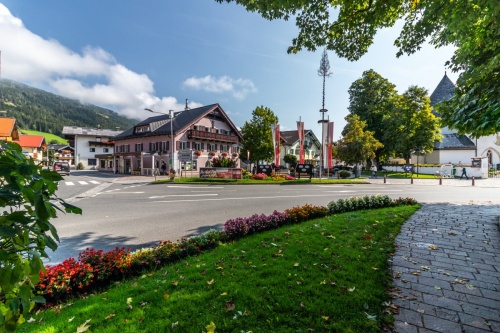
(446, 270)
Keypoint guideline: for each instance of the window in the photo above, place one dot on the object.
(98, 139)
(183, 145)
(105, 150)
(92, 161)
(207, 129)
(197, 146)
(138, 147)
(224, 148)
(92, 150)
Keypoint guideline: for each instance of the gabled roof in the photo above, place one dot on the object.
(8, 128)
(444, 91)
(455, 141)
(75, 130)
(160, 125)
(290, 138)
(31, 141)
(59, 147)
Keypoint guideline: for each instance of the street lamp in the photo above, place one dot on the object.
(172, 141)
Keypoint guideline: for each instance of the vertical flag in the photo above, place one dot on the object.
(277, 145)
(300, 129)
(248, 155)
(329, 144)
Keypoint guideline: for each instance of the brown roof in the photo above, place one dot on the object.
(31, 141)
(8, 128)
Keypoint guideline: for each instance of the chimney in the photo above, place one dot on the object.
(186, 107)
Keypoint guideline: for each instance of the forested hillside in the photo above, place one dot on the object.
(38, 110)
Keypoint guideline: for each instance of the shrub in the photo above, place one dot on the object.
(277, 177)
(306, 212)
(80, 166)
(105, 265)
(344, 174)
(288, 177)
(63, 279)
(367, 202)
(259, 176)
(28, 203)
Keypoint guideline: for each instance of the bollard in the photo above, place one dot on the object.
(338, 175)
(412, 180)
(440, 180)
(473, 180)
(385, 179)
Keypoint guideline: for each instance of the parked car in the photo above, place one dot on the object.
(61, 167)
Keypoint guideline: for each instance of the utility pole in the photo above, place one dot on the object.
(324, 71)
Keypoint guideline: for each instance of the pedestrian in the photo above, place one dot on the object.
(163, 167)
(464, 173)
(374, 171)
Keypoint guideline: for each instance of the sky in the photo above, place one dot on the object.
(129, 55)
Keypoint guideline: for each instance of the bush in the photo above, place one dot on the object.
(28, 203)
(367, 202)
(80, 166)
(344, 174)
(259, 176)
(288, 177)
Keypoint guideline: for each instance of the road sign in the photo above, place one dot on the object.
(185, 155)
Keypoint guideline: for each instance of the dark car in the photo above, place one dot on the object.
(61, 167)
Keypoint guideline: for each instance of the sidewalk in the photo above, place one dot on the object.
(446, 270)
(480, 182)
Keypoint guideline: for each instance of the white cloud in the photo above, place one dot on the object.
(94, 76)
(238, 88)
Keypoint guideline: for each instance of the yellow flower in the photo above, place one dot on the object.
(211, 327)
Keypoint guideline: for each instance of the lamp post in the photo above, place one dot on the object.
(172, 139)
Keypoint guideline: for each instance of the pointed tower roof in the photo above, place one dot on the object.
(444, 90)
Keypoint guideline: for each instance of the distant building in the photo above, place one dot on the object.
(8, 129)
(290, 145)
(202, 134)
(33, 146)
(92, 146)
(460, 148)
(62, 153)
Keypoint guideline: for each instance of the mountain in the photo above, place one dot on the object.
(38, 110)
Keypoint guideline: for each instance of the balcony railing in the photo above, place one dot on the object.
(202, 135)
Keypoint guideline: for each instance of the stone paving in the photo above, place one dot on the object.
(446, 270)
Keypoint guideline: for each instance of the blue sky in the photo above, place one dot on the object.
(129, 55)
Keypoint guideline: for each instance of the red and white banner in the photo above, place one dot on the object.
(329, 144)
(276, 144)
(300, 129)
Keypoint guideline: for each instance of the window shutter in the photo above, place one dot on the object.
(168, 145)
(202, 146)
(178, 145)
(189, 145)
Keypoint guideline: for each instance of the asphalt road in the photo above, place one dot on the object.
(130, 212)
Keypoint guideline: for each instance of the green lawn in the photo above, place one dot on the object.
(48, 137)
(324, 275)
(196, 180)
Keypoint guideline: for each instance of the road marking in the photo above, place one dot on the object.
(183, 195)
(69, 183)
(109, 192)
(83, 182)
(95, 182)
(187, 186)
(246, 198)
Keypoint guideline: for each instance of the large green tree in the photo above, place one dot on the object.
(357, 144)
(257, 134)
(349, 26)
(372, 97)
(412, 126)
(27, 204)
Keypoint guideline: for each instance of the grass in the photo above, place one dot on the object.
(48, 137)
(327, 275)
(196, 180)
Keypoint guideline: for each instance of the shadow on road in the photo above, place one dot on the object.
(202, 229)
(72, 246)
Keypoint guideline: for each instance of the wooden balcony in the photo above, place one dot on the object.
(202, 135)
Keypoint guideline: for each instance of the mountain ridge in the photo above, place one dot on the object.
(39, 110)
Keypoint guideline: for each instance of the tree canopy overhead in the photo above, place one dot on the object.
(349, 26)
